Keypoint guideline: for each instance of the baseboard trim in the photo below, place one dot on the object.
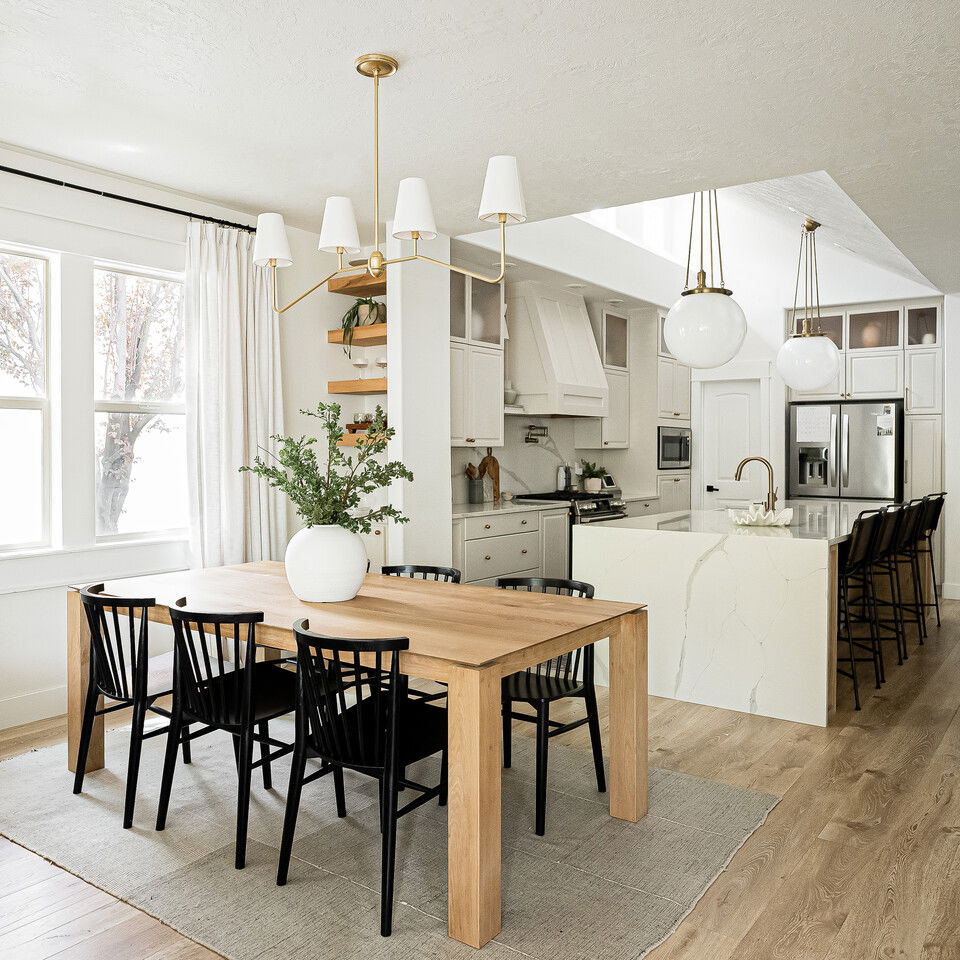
(28, 707)
(950, 591)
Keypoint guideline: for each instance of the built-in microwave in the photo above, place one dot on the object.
(673, 451)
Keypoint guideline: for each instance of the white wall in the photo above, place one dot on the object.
(950, 525)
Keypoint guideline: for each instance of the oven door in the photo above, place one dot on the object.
(673, 448)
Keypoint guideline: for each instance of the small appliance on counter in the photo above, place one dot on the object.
(566, 478)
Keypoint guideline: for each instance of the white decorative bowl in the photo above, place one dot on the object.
(758, 517)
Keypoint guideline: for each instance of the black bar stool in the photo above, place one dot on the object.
(932, 509)
(888, 611)
(907, 565)
(855, 603)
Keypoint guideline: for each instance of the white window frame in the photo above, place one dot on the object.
(139, 406)
(37, 403)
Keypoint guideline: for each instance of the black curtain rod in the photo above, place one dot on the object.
(117, 196)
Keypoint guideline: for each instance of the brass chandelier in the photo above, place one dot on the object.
(501, 201)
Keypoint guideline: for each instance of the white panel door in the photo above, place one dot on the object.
(484, 414)
(875, 375)
(458, 393)
(730, 431)
(924, 381)
(922, 456)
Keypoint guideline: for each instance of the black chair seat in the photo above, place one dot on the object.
(275, 693)
(424, 726)
(528, 687)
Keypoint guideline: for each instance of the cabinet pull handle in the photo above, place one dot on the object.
(376, 533)
(523, 551)
(676, 414)
(470, 440)
(486, 526)
(523, 522)
(487, 557)
(676, 479)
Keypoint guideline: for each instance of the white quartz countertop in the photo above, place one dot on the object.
(461, 510)
(829, 520)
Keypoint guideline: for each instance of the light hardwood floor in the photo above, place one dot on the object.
(860, 859)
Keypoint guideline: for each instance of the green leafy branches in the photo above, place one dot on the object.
(331, 493)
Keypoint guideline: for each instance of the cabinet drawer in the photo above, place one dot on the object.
(492, 581)
(474, 527)
(498, 556)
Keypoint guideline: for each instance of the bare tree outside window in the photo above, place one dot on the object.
(140, 389)
(22, 326)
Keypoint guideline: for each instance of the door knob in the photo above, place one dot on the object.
(712, 489)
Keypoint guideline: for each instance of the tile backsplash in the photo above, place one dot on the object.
(524, 467)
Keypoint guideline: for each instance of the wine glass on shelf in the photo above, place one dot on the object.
(361, 363)
(382, 363)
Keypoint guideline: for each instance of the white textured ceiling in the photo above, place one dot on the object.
(257, 105)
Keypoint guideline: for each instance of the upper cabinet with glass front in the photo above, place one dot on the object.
(476, 311)
(616, 339)
(922, 325)
(875, 328)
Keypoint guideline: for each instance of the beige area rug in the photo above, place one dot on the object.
(593, 887)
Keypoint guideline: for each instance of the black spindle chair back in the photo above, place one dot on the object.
(351, 691)
(210, 650)
(419, 571)
(118, 641)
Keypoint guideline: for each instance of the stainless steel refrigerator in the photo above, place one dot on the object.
(851, 450)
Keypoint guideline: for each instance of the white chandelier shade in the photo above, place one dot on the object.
(271, 242)
(339, 227)
(502, 193)
(808, 363)
(706, 330)
(414, 213)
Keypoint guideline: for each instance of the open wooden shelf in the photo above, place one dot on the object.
(372, 335)
(358, 388)
(352, 439)
(359, 285)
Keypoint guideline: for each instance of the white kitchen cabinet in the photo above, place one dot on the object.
(616, 340)
(874, 374)
(674, 490)
(923, 380)
(922, 455)
(643, 508)
(836, 389)
(673, 389)
(477, 310)
(476, 395)
(611, 432)
(375, 543)
(555, 543)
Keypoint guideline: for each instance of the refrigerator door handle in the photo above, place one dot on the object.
(845, 452)
(832, 476)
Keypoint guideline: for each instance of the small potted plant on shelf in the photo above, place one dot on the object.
(592, 476)
(363, 311)
(326, 561)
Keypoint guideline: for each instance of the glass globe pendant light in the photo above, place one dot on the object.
(809, 360)
(705, 327)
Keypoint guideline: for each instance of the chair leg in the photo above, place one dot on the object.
(290, 815)
(918, 595)
(339, 792)
(388, 854)
(185, 745)
(593, 722)
(133, 761)
(543, 744)
(169, 766)
(86, 731)
(264, 730)
(853, 658)
(442, 797)
(243, 796)
(236, 750)
(933, 578)
(874, 615)
(507, 709)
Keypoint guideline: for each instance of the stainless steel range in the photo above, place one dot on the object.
(586, 507)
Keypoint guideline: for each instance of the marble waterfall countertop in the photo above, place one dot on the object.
(829, 520)
(461, 510)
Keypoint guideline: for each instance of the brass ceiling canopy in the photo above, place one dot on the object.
(377, 65)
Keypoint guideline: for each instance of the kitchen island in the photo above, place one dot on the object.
(739, 617)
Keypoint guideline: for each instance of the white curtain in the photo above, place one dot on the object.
(233, 399)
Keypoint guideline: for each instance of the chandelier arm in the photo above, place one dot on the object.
(796, 287)
(716, 215)
(693, 214)
(502, 217)
(710, 232)
(341, 269)
(376, 160)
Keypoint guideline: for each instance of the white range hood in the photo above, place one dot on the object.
(552, 356)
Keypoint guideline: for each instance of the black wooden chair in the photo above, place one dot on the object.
(235, 694)
(857, 598)
(570, 675)
(122, 670)
(932, 509)
(419, 571)
(351, 714)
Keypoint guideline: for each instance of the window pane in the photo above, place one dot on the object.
(21, 479)
(139, 337)
(141, 472)
(22, 315)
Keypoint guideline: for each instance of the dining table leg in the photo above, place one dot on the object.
(78, 674)
(628, 717)
(473, 831)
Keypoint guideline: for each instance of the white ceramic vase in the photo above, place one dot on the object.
(591, 485)
(325, 564)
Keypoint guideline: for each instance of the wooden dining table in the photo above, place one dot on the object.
(464, 636)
